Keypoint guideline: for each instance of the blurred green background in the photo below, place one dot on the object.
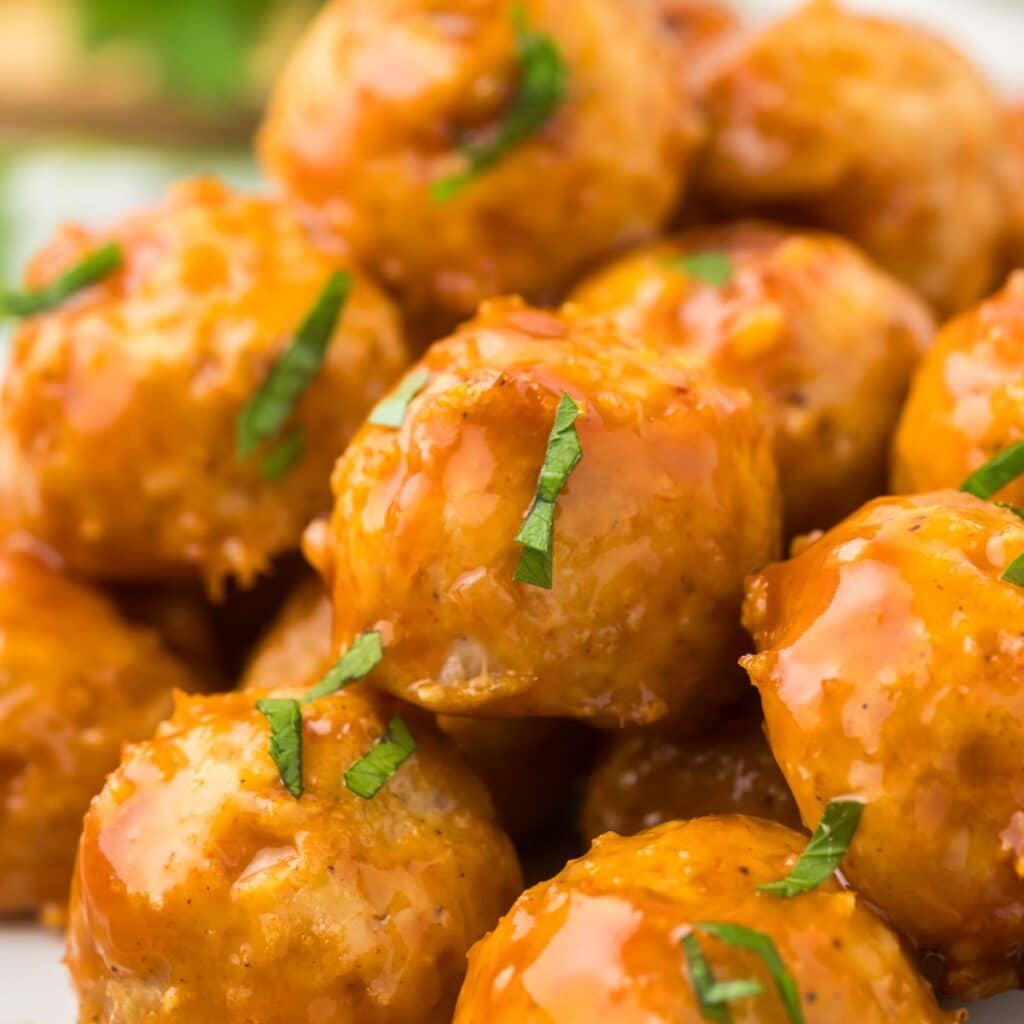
(104, 102)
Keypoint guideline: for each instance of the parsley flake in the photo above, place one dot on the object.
(372, 772)
(713, 995)
(823, 853)
(541, 92)
(285, 718)
(712, 267)
(761, 945)
(293, 372)
(1002, 469)
(537, 532)
(282, 458)
(358, 661)
(90, 269)
(390, 411)
(1014, 572)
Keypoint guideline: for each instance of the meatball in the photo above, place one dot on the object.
(204, 892)
(804, 322)
(673, 502)
(650, 776)
(529, 765)
(870, 128)
(890, 669)
(76, 681)
(602, 940)
(382, 98)
(965, 403)
(119, 411)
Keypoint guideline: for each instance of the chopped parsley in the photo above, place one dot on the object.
(1002, 469)
(537, 532)
(390, 411)
(89, 270)
(541, 91)
(358, 661)
(712, 267)
(289, 377)
(285, 718)
(761, 945)
(713, 995)
(823, 853)
(372, 772)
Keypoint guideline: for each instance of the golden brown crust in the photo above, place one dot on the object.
(119, 408)
(649, 776)
(601, 941)
(965, 405)
(870, 128)
(810, 326)
(376, 100)
(672, 503)
(890, 669)
(76, 681)
(205, 893)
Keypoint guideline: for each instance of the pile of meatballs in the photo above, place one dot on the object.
(427, 518)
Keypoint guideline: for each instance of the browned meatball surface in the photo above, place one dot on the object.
(120, 408)
(206, 894)
(672, 503)
(891, 669)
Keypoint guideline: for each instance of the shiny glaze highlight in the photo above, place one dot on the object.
(206, 894)
(380, 94)
(119, 409)
(601, 941)
(673, 503)
(891, 668)
(823, 337)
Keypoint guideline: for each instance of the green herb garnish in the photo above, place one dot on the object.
(390, 411)
(541, 91)
(89, 270)
(1002, 469)
(536, 533)
(285, 718)
(286, 382)
(713, 995)
(375, 769)
(358, 661)
(712, 267)
(823, 853)
(1015, 509)
(285, 454)
(1014, 572)
(761, 945)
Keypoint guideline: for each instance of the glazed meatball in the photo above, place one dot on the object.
(383, 96)
(872, 129)
(648, 777)
(530, 765)
(803, 321)
(76, 681)
(119, 411)
(204, 892)
(602, 940)
(965, 405)
(672, 503)
(890, 669)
